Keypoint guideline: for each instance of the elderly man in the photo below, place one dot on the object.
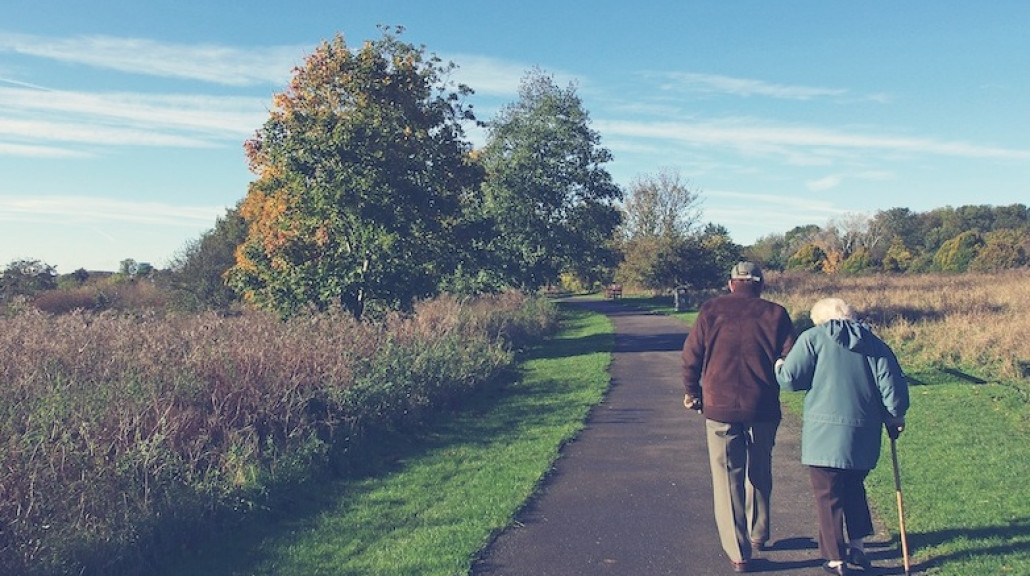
(728, 374)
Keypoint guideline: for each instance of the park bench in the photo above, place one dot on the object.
(613, 291)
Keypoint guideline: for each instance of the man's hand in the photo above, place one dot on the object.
(895, 426)
(692, 403)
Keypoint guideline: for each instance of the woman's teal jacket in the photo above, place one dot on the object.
(854, 384)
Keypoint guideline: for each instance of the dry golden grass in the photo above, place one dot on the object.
(970, 321)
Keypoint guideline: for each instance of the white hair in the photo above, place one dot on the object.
(831, 309)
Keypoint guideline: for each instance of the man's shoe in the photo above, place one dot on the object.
(858, 558)
(741, 566)
(759, 546)
(840, 569)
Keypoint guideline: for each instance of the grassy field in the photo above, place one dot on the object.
(438, 498)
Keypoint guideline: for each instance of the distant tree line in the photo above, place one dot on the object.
(948, 239)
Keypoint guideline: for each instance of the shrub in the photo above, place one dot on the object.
(955, 254)
(858, 262)
(105, 294)
(64, 300)
(809, 258)
(1002, 249)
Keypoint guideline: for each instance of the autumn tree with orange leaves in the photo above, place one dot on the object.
(363, 174)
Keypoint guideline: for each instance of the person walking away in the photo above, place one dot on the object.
(855, 387)
(729, 359)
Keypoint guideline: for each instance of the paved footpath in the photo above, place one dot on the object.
(632, 494)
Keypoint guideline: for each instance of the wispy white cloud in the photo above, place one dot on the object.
(880, 97)
(874, 175)
(227, 115)
(758, 137)
(488, 76)
(834, 180)
(32, 120)
(34, 151)
(79, 209)
(749, 216)
(32, 115)
(13, 82)
(226, 65)
(824, 183)
(776, 201)
(81, 133)
(234, 66)
(715, 83)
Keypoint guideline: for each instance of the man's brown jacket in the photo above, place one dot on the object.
(730, 354)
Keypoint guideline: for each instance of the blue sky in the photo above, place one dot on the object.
(122, 123)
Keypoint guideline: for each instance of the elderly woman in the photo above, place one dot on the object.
(855, 387)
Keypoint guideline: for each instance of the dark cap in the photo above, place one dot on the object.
(746, 271)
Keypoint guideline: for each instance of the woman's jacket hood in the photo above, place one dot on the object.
(850, 334)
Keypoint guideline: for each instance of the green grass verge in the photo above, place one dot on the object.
(428, 504)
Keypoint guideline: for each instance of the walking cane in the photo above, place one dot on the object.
(901, 507)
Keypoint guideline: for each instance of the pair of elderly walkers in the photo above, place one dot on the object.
(741, 351)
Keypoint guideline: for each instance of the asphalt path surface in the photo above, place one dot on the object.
(632, 494)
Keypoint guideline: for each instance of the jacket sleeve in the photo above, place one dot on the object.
(693, 358)
(798, 367)
(893, 385)
(787, 333)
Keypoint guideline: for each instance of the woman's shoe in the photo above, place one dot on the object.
(740, 566)
(858, 558)
(840, 569)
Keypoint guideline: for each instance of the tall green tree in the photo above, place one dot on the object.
(547, 190)
(719, 253)
(661, 205)
(654, 262)
(27, 277)
(362, 171)
(769, 251)
(1012, 217)
(956, 253)
(1002, 249)
(663, 245)
(198, 273)
(661, 263)
(809, 257)
(898, 258)
(896, 228)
